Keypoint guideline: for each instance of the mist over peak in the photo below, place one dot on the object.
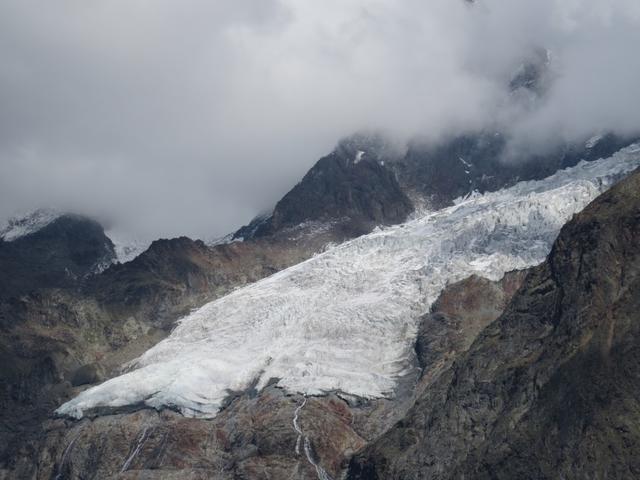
(189, 118)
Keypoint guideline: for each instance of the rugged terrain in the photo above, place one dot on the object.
(61, 254)
(550, 389)
(456, 298)
(71, 316)
(267, 433)
(62, 324)
(255, 437)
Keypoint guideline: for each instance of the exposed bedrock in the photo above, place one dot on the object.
(549, 390)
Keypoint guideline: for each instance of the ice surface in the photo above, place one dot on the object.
(346, 320)
(126, 245)
(593, 141)
(28, 223)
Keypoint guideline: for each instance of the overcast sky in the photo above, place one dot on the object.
(190, 116)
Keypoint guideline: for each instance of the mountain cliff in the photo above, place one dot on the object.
(368, 180)
(45, 250)
(550, 389)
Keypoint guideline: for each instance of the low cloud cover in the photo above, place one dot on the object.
(189, 117)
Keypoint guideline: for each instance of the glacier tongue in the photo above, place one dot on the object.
(345, 320)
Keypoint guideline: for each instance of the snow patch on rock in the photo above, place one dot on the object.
(127, 246)
(25, 224)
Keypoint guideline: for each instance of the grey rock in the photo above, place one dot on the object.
(552, 388)
(87, 374)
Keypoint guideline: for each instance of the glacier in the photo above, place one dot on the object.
(346, 319)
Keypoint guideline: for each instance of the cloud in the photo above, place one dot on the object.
(189, 117)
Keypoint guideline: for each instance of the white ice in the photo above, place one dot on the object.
(593, 141)
(126, 245)
(346, 319)
(28, 223)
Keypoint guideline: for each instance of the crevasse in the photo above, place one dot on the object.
(346, 319)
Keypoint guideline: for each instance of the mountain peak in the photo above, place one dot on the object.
(24, 224)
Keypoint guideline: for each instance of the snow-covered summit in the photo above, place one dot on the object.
(27, 223)
(346, 320)
(127, 246)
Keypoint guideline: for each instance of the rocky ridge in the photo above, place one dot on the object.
(54, 341)
(254, 437)
(550, 389)
(56, 252)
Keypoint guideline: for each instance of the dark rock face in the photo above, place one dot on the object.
(461, 312)
(550, 389)
(366, 181)
(346, 186)
(162, 280)
(249, 231)
(482, 161)
(254, 438)
(87, 374)
(61, 255)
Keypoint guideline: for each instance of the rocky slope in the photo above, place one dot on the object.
(350, 186)
(438, 173)
(461, 312)
(550, 389)
(174, 276)
(44, 251)
(53, 340)
(369, 181)
(255, 436)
